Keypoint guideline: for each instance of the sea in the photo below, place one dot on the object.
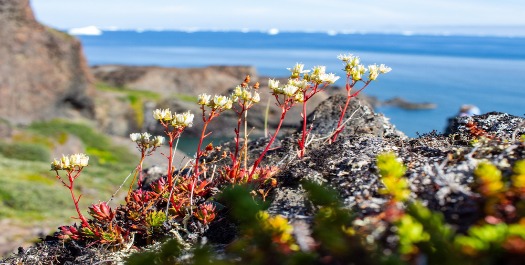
(447, 70)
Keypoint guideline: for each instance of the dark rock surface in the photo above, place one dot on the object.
(43, 73)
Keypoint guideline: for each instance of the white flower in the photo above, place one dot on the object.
(164, 114)
(144, 137)
(157, 114)
(345, 57)
(81, 160)
(301, 84)
(273, 84)
(355, 61)
(299, 97)
(328, 78)
(373, 72)
(220, 101)
(238, 91)
(75, 159)
(357, 72)
(246, 95)
(384, 69)
(65, 162)
(157, 141)
(183, 120)
(289, 90)
(56, 165)
(228, 104)
(204, 99)
(297, 70)
(134, 137)
(256, 97)
(317, 70)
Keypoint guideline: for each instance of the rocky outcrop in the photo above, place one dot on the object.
(360, 118)
(169, 81)
(43, 73)
(439, 172)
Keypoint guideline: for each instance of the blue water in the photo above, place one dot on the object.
(447, 70)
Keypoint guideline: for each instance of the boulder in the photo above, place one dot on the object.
(43, 73)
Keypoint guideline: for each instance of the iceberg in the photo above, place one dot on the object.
(89, 30)
(273, 31)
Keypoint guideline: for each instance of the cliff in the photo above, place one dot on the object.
(43, 73)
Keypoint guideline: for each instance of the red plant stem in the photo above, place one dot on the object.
(349, 96)
(170, 161)
(139, 169)
(307, 96)
(203, 135)
(75, 200)
(284, 108)
(302, 142)
(237, 135)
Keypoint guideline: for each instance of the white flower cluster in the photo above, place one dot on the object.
(217, 102)
(293, 89)
(245, 95)
(177, 120)
(356, 70)
(296, 85)
(320, 76)
(143, 140)
(297, 70)
(70, 162)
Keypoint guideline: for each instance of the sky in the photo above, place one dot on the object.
(297, 15)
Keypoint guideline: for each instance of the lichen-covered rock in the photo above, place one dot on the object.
(43, 73)
(496, 124)
(359, 119)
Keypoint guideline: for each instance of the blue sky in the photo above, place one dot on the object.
(282, 14)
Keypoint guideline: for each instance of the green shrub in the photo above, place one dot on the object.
(25, 151)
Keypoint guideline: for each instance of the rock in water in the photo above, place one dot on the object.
(43, 72)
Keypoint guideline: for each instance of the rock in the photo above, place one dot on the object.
(43, 72)
(404, 104)
(496, 124)
(360, 118)
(169, 81)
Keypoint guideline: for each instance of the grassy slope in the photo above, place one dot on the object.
(30, 191)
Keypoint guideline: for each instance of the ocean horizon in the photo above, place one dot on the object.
(448, 70)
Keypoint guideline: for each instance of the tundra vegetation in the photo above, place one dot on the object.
(171, 214)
